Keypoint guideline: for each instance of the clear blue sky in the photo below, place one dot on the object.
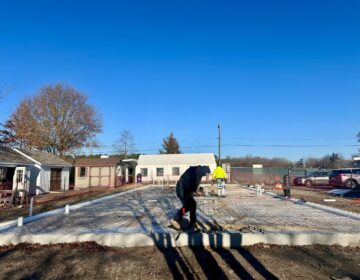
(270, 72)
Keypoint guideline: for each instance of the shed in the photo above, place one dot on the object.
(93, 172)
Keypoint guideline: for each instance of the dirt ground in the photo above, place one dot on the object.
(52, 201)
(318, 194)
(91, 261)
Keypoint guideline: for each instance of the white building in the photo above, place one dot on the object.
(35, 172)
(169, 167)
(48, 172)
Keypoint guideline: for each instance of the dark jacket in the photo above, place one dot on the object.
(191, 178)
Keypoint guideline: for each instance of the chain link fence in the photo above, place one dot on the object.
(265, 175)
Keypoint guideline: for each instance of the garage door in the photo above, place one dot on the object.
(99, 176)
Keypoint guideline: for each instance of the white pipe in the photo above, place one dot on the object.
(20, 222)
(67, 209)
(31, 207)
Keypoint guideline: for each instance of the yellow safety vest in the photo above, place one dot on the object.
(219, 173)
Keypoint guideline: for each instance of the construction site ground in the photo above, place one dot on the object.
(317, 194)
(149, 210)
(90, 261)
(54, 200)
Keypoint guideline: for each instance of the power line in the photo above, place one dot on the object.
(96, 150)
(292, 138)
(253, 138)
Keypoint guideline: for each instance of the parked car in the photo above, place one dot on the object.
(314, 178)
(347, 177)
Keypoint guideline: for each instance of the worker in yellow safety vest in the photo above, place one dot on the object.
(219, 176)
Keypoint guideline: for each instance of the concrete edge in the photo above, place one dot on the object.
(325, 208)
(166, 240)
(13, 223)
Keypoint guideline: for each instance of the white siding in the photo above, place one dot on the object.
(34, 180)
(44, 180)
(182, 161)
(65, 175)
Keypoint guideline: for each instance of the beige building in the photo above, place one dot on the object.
(93, 172)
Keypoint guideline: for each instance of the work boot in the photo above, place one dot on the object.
(219, 192)
(195, 225)
(206, 191)
(175, 224)
(223, 192)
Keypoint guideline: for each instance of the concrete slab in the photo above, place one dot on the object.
(141, 218)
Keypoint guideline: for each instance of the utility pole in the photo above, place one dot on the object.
(219, 146)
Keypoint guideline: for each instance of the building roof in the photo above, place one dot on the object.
(45, 158)
(177, 159)
(9, 156)
(97, 161)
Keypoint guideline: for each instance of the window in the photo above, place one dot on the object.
(82, 172)
(175, 171)
(144, 172)
(159, 172)
(19, 176)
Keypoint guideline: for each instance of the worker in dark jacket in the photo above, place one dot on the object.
(185, 188)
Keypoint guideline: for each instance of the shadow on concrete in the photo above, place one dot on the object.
(180, 267)
(178, 263)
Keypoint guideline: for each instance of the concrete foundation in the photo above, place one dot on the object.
(141, 218)
(216, 240)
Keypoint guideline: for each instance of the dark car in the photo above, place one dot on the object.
(347, 177)
(314, 178)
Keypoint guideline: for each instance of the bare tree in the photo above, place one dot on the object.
(125, 144)
(170, 145)
(57, 120)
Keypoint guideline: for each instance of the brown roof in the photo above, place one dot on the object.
(97, 161)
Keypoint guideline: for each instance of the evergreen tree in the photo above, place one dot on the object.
(170, 145)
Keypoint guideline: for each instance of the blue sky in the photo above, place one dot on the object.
(270, 72)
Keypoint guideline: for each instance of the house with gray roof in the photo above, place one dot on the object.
(36, 172)
(14, 169)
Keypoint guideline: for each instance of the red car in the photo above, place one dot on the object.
(347, 177)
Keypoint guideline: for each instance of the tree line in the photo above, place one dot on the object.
(58, 119)
(331, 161)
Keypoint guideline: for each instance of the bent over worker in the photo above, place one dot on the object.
(185, 188)
(220, 176)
